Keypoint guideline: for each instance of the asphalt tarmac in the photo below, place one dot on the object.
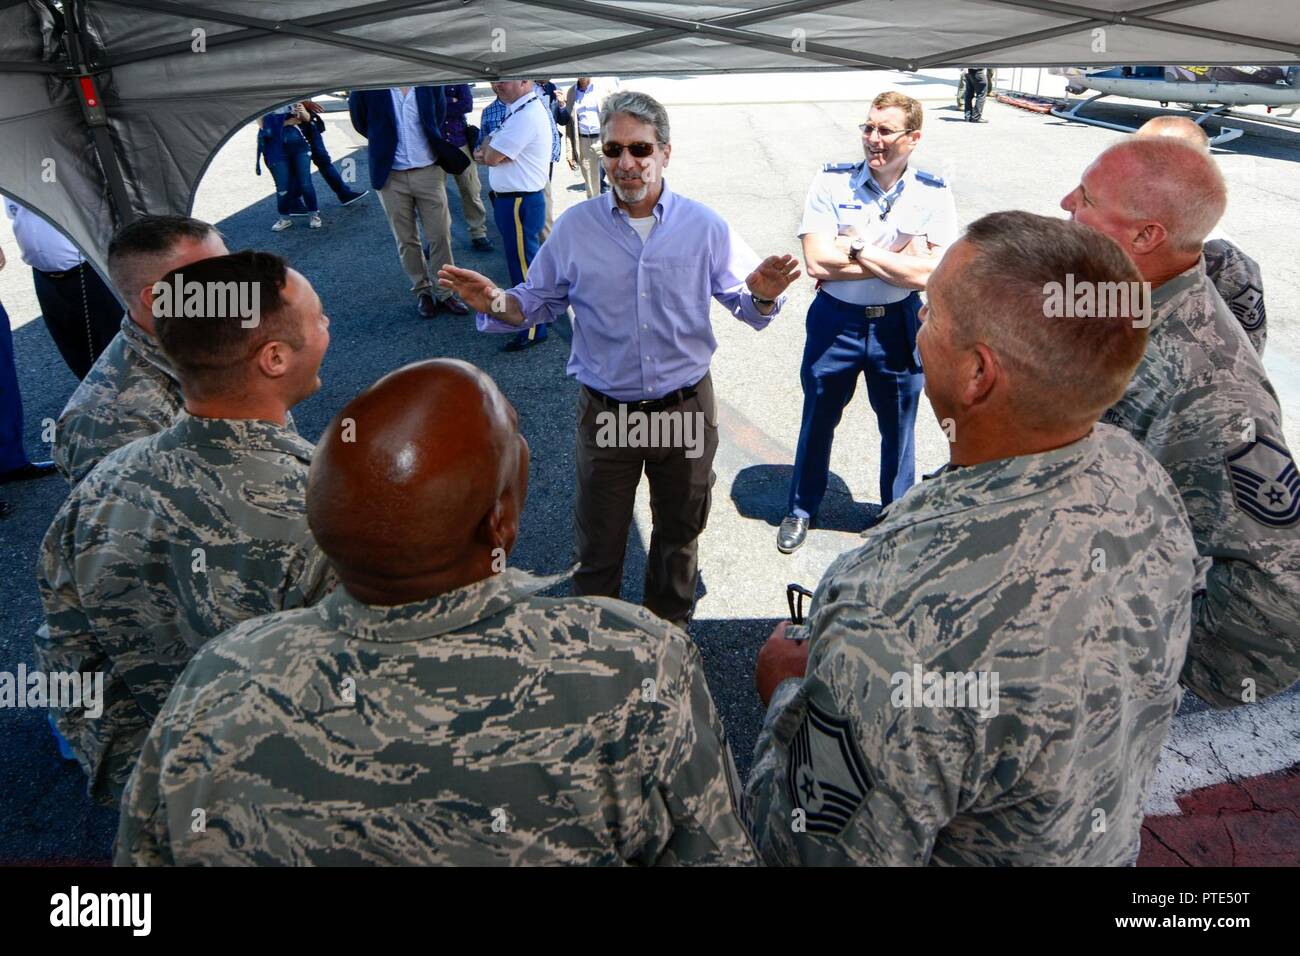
(747, 146)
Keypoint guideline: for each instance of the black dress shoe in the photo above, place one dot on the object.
(454, 304)
(482, 244)
(33, 469)
(791, 533)
(428, 308)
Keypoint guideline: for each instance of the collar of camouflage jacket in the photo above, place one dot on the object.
(1165, 298)
(147, 347)
(454, 611)
(243, 434)
(992, 482)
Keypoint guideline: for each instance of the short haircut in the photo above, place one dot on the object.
(1177, 127)
(1067, 370)
(210, 351)
(1174, 184)
(639, 106)
(905, 103)
(137, 250)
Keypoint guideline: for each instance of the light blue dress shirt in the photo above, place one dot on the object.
(641, 325)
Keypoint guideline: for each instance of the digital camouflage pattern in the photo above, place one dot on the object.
(484, 726)
(170, 541)
(1068, 575)
(130, 392)
(1240, 284)
(1202, 404)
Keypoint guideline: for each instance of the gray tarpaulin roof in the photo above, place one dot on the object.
(165, 109)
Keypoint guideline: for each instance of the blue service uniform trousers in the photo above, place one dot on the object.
(841, 343)
(12, 454)
(520, 218)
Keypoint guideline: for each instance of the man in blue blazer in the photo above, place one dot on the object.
(402, 128)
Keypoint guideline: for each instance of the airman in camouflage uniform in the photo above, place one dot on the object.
(1202, 404)
(1235, 275)
(1049, 590)
(172, 540)
(402, 722)
(132, 390)
(1239, 282)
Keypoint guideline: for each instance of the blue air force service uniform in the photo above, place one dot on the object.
(865, 326)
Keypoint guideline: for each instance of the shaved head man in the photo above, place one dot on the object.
(971, 684)
(1235, 275)
(182, 534)
(434, 709)
(1202, 404)
(132, 390)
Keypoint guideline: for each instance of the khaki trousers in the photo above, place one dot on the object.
(550, 207)
(420, 192)
(680, 497)
(471, 198)
(589, 160)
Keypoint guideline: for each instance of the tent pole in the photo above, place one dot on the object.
(94, 114)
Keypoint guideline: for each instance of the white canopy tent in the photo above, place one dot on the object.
(113, 108)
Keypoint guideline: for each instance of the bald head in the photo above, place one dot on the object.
(1176, 127)
(417, 484)
(1157, 197)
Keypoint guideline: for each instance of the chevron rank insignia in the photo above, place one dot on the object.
(827, 776)
(1265, 483)
(1248, 306)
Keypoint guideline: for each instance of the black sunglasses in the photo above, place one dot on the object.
(639, 150)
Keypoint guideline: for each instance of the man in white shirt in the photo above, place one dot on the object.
(518, 157)
(81, 312)
(583, 104)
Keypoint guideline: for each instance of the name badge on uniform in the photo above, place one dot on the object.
(850, 205)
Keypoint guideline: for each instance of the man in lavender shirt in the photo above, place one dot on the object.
(642, 342)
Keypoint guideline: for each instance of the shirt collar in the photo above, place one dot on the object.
(147, 347)
(663, 208)
(990, 482)
(520, 103)
(247, 434)
(453, 611)
(864, 180)
(1163, 298)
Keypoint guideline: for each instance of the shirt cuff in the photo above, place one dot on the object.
(750, 315)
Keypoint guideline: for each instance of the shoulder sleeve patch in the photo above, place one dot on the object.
(934, 179)
(1265, 483)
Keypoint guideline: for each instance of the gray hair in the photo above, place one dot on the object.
(639, 106)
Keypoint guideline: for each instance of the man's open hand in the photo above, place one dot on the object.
(476, 290)
(773, 275)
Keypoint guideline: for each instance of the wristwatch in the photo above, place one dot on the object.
(856, 246)
(761, 301)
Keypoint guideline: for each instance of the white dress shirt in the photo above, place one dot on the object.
(413, 150)
(43, 247)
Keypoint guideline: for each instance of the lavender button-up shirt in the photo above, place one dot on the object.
(641, 324)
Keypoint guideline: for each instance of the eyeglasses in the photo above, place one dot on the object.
(639, 150)
(884, 131)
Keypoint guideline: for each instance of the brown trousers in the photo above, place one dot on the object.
(680, 496)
